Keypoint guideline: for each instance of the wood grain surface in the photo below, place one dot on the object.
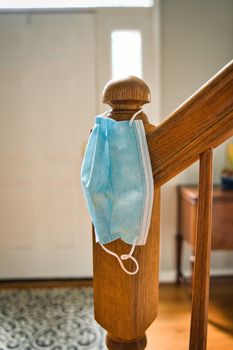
(205, 120)
(126, 305)
(200, 292)
(171, 328)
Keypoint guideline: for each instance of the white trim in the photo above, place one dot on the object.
(154, 80)
(169, 276)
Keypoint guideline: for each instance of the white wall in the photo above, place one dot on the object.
(196, 41)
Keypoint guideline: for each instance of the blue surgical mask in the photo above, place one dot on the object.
(117, 182)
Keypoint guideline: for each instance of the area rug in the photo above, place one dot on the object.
(49, 319)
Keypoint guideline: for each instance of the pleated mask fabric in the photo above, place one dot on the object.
(117, 181)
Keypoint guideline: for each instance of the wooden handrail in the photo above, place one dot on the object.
(205, 120)
(126, 305)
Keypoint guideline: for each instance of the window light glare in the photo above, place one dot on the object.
(126, 53)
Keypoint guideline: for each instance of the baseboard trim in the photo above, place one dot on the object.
(169, 276)
(45, 282)
(44, 279)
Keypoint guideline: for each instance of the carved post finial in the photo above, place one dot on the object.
(126, 94)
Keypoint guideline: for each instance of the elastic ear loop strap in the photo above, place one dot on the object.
(123, 257)
(134, 116)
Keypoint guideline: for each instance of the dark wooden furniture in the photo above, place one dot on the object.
(222, 223)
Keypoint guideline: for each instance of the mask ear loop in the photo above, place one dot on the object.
(134, 116)
(124, 257)
(106, 113)
(131, 120)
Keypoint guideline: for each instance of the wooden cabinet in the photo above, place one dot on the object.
(222, 229)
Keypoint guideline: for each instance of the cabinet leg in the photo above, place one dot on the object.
(179, 244)
(137, 344)
(192, 263)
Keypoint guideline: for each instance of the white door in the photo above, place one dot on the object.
(47, 104)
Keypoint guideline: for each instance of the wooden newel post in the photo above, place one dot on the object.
(126, 305)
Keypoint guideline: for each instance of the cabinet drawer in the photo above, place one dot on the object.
(222, 228)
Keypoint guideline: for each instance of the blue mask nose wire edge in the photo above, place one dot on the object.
(123, 257)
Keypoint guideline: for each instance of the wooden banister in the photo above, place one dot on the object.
(205, 120)
(126, 305)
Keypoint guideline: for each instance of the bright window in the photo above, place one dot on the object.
(38, 4)
(126, 53)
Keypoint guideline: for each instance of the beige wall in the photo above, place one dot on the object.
(196, 41)
(192, 40)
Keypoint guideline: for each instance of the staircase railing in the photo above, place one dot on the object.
(204, 120)
(126, 305)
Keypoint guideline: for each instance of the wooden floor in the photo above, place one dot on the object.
(171, 330)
